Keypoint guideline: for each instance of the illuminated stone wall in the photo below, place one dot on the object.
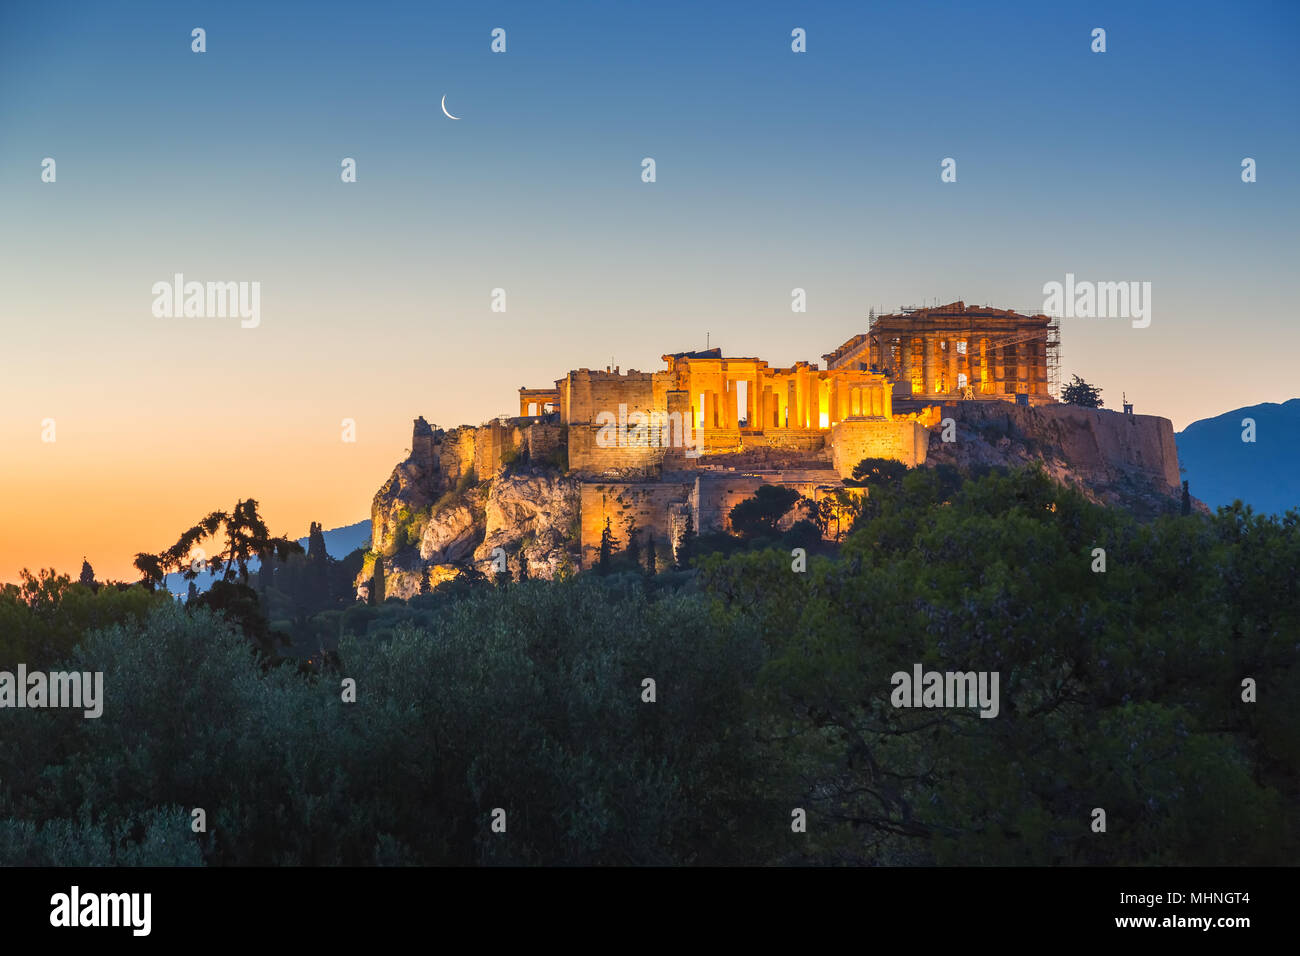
(584, 394)
(587, 455)
(902, 440)
(652, 503)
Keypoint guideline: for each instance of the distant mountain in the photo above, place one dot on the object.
(1264, 474)
(339, 543)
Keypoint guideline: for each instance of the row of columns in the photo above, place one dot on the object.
(795, 402)
(938, 369)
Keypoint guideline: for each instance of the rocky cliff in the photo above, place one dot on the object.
(436, 516)
(1113, 458)
(466, 497)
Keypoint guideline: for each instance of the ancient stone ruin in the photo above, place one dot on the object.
(678, 448)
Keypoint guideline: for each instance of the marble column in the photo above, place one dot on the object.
(928, 344)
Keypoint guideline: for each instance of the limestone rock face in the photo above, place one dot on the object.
(403, 574)
(537, 514)
(409, 487)
(453, 531)
(452, 502)
(1113, 458)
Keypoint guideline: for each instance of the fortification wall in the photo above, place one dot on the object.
(456, 454)
(491, 444)
(795, 439)
(652, 503)
(589, 393)
(542, 441)
(586, 455)
(422, 449)
(714, 495)
(853, 440)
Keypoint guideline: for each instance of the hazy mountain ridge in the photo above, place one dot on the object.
(1220, 467)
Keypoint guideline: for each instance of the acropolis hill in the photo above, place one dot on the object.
(676, 449)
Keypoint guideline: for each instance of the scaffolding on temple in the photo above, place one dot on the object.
(1054, 357)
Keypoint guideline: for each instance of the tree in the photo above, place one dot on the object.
(1079, 392)
(44, 617)
(1141, 673)
(608, 546)
(246, 537)
(878, 471)
(840, 510)
(240, 604)
(633, 545)
(650, 568)
(377, 582)
(265, 573)
(1187, 499)
(565, 571)
(151, 569)
(802, 534)
(682, 558)
(88, 573)
(758, 516)
(316, 544)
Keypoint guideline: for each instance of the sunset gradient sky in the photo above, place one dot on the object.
(775, 170)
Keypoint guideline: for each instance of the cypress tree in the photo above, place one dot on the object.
(377, 583)
(684, 546)
(607, 548)
(633, 545)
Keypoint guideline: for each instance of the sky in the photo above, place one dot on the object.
(775, 170)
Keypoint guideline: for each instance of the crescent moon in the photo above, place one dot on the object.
(444, 108)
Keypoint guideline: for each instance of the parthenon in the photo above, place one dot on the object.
(970, 352)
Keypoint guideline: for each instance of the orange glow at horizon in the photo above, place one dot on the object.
(104, 496)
